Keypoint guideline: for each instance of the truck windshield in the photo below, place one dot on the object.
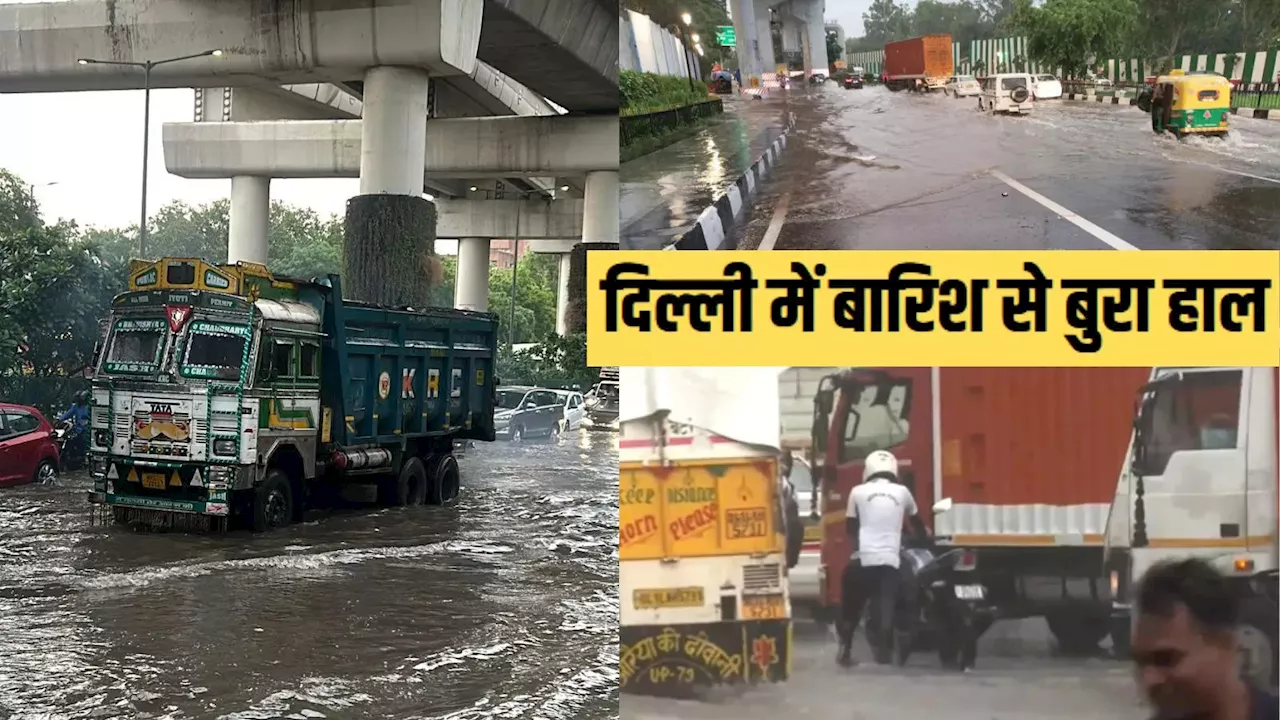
(878, 418)
(509, 399)
(215, 350)
(135, 346)
(1199, 411)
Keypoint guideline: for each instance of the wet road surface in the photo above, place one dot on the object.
(663, 193)
(871, 169)
(503, 606)
(1017, 678)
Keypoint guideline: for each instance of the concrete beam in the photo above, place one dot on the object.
(283, 42)
(468, 148)
(556, 221)
(565, 50)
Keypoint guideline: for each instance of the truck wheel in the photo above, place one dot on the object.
(446, 481)
(1256, 638)
(273, 502)
(1077, 634)
(411, 485)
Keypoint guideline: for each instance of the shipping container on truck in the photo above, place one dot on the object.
(702, 574)
(223, 392)
(1200, 480)
(920, 63)
(1029, 456)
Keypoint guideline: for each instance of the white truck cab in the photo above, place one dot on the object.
(1200, 480)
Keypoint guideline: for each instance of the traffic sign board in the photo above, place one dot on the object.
(725, 36)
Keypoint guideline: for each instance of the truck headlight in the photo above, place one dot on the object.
(102, 438)
(224, 446)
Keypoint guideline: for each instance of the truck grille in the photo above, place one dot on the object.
(762, 578)
(160, 446)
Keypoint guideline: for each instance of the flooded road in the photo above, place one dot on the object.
(503, 606)
(871, 169)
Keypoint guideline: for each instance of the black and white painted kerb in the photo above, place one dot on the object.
(711, 231)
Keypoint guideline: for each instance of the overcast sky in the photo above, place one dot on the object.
(89, 145)
(849, 13)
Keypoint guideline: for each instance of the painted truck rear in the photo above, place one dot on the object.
(928, 58)
(702, 568)
(1029, 457)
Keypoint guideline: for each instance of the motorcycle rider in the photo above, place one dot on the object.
(873, 521)
(78, 414)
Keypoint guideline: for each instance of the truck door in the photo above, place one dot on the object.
(876, 409)
(1190, 464)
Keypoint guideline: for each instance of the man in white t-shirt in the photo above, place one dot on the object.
(873, 521)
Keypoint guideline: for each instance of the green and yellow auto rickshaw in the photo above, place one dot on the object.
(1184, 104)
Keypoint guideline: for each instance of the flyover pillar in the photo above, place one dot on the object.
(471, 288)
(249, 219)
(744, 28)
(562, 293)
(764, 35)
(390, 228)
(600, 221)
(600, 231)
(815, 59)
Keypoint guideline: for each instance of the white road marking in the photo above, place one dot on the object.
(1115, 242)
(775, 223)
(1263, 178)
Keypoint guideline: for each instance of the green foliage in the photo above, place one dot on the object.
(1068, 33)
(57, 282)
(834, 51)
(707, 15)
(648, 92)
(554, 362)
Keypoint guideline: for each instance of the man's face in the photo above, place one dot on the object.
(1180, 664)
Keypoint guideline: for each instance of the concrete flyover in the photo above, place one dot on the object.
(565, 50)
(528, 219)
(530, 146)
(280, 43)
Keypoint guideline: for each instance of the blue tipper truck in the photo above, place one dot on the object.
(223, 392)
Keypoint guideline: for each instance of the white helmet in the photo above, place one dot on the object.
(880, 462)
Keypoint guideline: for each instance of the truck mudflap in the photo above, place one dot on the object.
(679, 660)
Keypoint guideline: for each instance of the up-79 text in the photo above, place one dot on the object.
(910, 299)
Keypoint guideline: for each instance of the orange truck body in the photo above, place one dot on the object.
(1034, 452)
(919, 58)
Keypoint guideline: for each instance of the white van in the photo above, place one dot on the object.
(1006, 93)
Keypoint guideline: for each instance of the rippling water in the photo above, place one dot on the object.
(502, 607)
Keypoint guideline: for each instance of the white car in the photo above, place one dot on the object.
(962, 86)
(1047, 87)
(574, 411)
(1006, 93)
(803, 579)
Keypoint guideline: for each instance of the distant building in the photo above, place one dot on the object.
(502, 253)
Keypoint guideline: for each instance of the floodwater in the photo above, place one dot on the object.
(873, 169)
(504, 606)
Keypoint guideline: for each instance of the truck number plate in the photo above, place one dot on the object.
(153, 481)
(970, 592)
(747, 523)
(763, 607)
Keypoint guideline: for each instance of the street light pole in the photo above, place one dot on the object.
(146, 68)
(687, 49)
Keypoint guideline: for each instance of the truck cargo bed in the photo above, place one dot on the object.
(400, 373)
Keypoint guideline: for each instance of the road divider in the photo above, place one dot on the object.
(711, 230)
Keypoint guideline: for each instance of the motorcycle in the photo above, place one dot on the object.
(941, 604)
(71, 447)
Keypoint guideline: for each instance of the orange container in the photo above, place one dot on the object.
(1043, 436)
(919, 57)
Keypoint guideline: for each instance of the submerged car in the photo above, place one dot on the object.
(959, 86)
(28, 453)
(1047, 87)
(1006, 93)
(522, 412)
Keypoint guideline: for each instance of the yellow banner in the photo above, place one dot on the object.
(698, 509)
(957, 308)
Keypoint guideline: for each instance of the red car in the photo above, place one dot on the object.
(27, 450)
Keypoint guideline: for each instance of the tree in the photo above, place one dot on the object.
(707, 15)
(1165, 28)
(834, 51)
(961, 20)
(1070, 33)
(886, 21)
